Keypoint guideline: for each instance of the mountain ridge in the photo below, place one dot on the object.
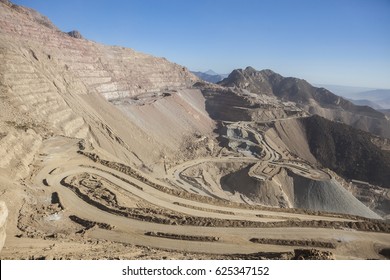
(315, 100)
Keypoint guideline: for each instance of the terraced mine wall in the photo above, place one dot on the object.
(62, 82)
(111, 71)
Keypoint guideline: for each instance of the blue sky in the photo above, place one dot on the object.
(345, 42)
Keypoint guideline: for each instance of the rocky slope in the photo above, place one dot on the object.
(347, 151)
(59, 83)
(315, 100)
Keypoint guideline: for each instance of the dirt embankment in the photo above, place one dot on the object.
(182, 237)
(106, 201)
(195, 197)
(89, 224)
(298, 254)
(296, 243)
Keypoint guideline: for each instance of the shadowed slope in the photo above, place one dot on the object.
(347, 151)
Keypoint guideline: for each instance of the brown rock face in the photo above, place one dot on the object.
(75, 34)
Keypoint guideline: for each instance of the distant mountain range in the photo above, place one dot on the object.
(378, 99)
(366, 102)
(210, 76)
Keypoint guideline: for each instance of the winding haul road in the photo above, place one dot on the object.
(59, 160)
(271, 159)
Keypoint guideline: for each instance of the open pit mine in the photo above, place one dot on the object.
(109, 153)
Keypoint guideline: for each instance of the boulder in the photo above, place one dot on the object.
(75, 34)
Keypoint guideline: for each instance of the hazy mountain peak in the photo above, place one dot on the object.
(209, 76)
(250, 69)
(211, 72)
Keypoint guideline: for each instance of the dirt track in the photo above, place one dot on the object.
(59, 160)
